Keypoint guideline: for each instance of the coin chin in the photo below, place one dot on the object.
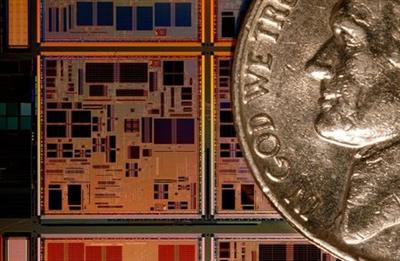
(337, 130)
(331, 126)
(353, 238)
(334, 128)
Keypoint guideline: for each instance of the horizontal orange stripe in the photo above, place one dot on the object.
(120, 44)
(230, 54)
(119, 54)
(225, 43)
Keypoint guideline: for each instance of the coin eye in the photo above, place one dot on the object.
(341, 36)
(350, 35)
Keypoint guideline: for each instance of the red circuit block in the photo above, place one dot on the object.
(187, 253)
(166, 253)
(93, 253)
(55, 252)
(114, 253)
(75, 252)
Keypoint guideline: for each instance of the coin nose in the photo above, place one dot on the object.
(320, 66)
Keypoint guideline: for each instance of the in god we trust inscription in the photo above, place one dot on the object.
(316, 87)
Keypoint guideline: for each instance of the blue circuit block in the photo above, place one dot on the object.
(124, 18)
(105, 13)
(183, 14)
(162, 14)
(144, 18)
(84, 13)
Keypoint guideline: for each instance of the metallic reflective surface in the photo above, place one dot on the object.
(317, 103)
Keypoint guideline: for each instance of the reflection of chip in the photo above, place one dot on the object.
(106, 147)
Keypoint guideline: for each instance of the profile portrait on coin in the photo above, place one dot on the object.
(359, 73)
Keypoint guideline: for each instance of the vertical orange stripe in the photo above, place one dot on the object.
(212, 22)
(203, 21)
(212, 129)
(203, 129)
(38, 24)
(38, 131)
(18, 24)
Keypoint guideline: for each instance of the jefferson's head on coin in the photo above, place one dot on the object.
(359, 70)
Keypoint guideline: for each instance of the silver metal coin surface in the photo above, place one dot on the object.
(316, 87)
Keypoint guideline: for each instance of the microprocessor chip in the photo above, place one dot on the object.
(117, 141)
(119, 21)
(122, 247)
(267, 247)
